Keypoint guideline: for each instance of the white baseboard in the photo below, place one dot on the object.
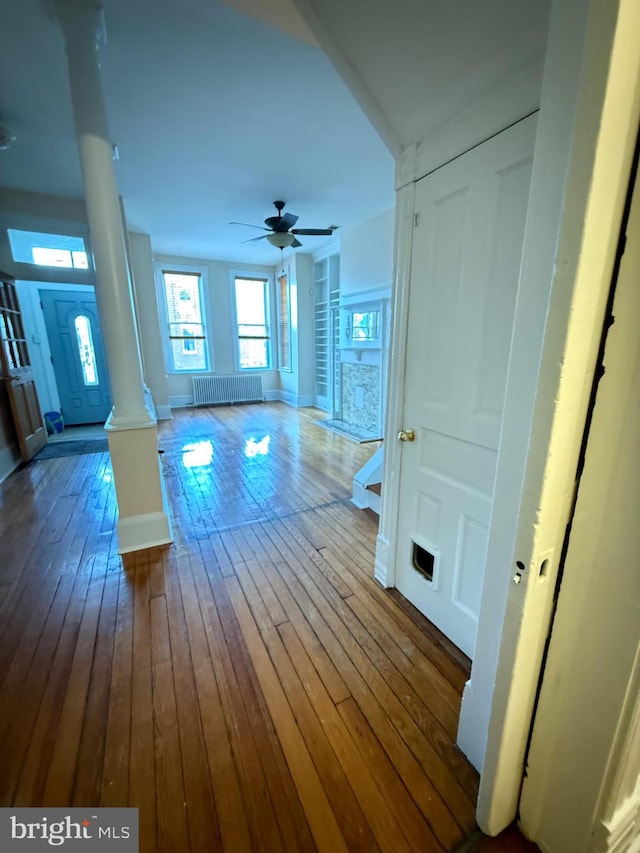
(296, 401)
(381, 570)
(164, 413)
(9, 461)
(181, 401)
(288, 397)
(138, 532)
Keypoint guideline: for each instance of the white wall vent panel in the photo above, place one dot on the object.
(215, 390)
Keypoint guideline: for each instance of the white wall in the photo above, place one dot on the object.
(37, 212)
(366, 254)
(366, 272)
(55, 214)
(222, 342)
(143, 276)
(367, 251)
(296, 385)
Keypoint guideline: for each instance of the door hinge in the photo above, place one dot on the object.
(51, 357)
(41, 306)
(416, 220)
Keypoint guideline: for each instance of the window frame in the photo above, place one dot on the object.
(47, 227)
(267, 279)
(167, 338)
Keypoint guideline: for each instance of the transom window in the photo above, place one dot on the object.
(252, 319)
(48, 250)
(186, 321)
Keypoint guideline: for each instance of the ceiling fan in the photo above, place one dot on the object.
(280, 230)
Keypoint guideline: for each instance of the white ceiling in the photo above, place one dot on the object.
(423, 62)
(215, 114)
(220, 108)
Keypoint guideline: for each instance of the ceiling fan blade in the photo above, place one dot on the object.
(295, 244)
(253, 239)
(317, 232)
(287, 221)
(249, 225)
(280, 224)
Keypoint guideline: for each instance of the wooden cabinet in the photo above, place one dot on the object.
(16, 373)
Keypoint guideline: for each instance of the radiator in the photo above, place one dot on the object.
(212, 390)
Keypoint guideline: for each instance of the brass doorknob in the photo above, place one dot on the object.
(407, 435)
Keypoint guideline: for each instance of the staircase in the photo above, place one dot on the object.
(367, 483)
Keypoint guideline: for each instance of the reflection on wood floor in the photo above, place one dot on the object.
(250, 687)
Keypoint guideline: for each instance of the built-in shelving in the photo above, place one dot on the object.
(326, 289)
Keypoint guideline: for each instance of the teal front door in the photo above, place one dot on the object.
(75, 340)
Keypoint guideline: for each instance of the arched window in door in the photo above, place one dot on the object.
(86, 350)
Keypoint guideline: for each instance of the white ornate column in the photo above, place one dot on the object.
(131, 428)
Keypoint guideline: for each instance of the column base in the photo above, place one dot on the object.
(138, 532)
(137, 475)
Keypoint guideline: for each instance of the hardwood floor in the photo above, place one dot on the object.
(250, 687)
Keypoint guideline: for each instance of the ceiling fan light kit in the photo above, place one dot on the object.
(280, 239)
(280, 230)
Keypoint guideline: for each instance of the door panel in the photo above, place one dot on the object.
(17, 375)
(78, 357)
(464, 274)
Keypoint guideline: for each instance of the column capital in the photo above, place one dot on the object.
(82, 22)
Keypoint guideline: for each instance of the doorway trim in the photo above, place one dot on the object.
(601, 64)
(384, 569)
(534, 487)
(593, 658)
(46, 384)
(67, 365)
